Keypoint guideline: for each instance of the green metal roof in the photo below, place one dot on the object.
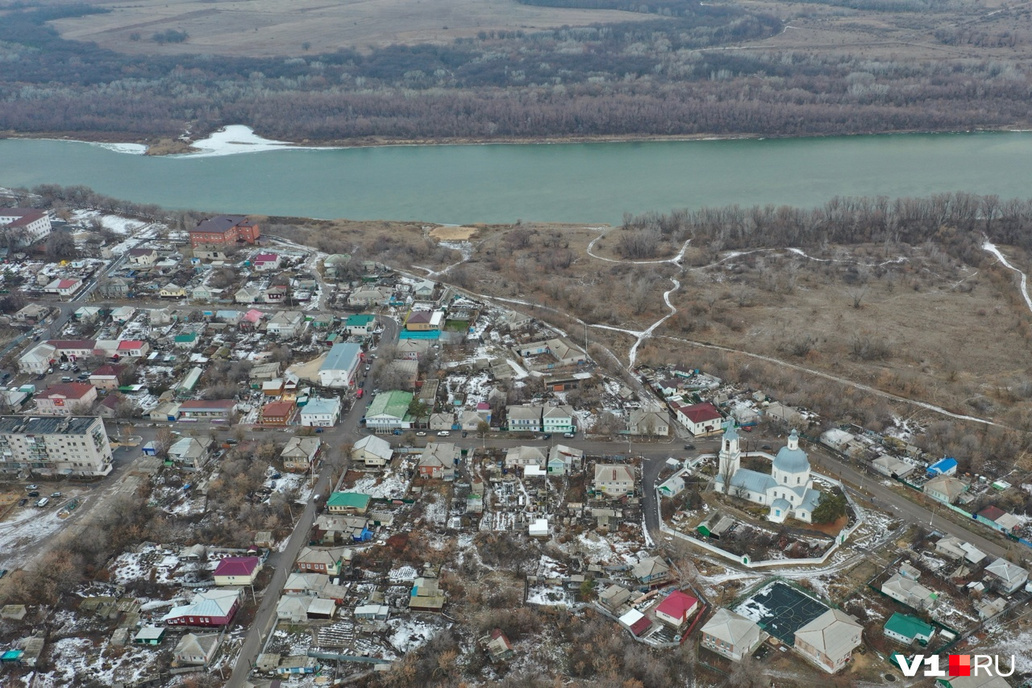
(348, 500)
(908, 626)
(359, 320)
(394, 404)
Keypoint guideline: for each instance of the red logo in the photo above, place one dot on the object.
(960, 665)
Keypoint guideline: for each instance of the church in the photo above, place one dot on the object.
(788, 490)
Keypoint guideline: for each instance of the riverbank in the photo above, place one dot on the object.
(221, 142)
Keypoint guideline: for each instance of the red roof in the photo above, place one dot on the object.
(265, 257)
(68, 390)
(24, 215)
(677, 604)
(107, 371)
(700, 413)
(278, 409)
(991, 513)
(67, 283)
(237, 566)
(641, 625)
(130, 345)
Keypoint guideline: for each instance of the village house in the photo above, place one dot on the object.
(112, 288)
(324, 560)
(518, 457)
(38, 359)
(195, 650)
(426, 594)
(204, 294)
(563, 460)
(185, 340)
(293, 608)
(354, 503)
(247, 294)
(909, 592)
(66, 399)
(277, 293)
(945, 489)
(523, 418)
(65, 287)
(330, 529)
(412, 349)
(642, 422)
(224, 230)
(277, 413)
(438, 461)
(651, 571)
(190, 453)
(829, 640)
(557, 419)
(613, 481)
(1007, 577)
(265, 261)
(142, 257)
(906, 629)
(360, 325)
(731, 635)
(372, 451)
(237, 571)
(676, 608)
(300, 453)
(368, 297)
(699, 419)
(32, 313)
(613, 597)
(550, 354)
(497, 646)
(172, 291)
(149, 635)
(213, 608)
(285, 324)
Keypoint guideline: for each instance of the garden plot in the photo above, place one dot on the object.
(411, 632)
(386, 486)
(129, 567)
(75, 658)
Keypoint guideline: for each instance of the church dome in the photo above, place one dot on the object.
(792, 459)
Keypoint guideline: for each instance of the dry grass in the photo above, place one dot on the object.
(265, 27)
(453, 233)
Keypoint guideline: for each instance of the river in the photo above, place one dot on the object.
(577, 182)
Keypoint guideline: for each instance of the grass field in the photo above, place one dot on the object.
(265, 27)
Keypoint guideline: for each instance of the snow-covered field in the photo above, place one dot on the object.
(385, 486)
(409, 633)
(29, 526)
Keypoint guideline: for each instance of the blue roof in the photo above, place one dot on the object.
(321, 406)
(342, 357)
(792, 460)
(943, 466)
(752, 480)
(731, 433)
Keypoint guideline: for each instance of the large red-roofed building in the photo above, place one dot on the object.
(677, 608)
(224, 230)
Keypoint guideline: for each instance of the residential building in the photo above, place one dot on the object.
(237, 571)
(172, 291)
(829, 640)
(945, 489)
(293, 608)
(73, 445)
(185, 340)
(906, 629)
(149, 635)
(285, 324)
(340, 366)
(731, 635)
(613, 597)
(331, 529)
(557, 419)
(25, 226)
(497, 646)
(946, 466)
(142, 257)
(551, 354)
(216, 410)
(112, 288)
(426, 594)
(354, 503)
(65, 287)
(389, 412)
(956, 549)
(277, 293)
(651, 571)
(613, 481)
(66, 399)
(106, 377)
(648, 423)
(676, 608)
(73, 349)
(360, 325)
(404, 372)
(523, 418)
(195, 650)
(372, 451)
(265, 261)
(213, 608)
(247, 294)
(277, 413)
(517, 457)
(204, 294)
(909, 592)
(1007, 577)
(563, 460)
(224, 230)
(699, 419)
(38, 359)
(300, 453)
(190, 453)
(368, 297)
(412, 349)
(324, 560)
(438, 461)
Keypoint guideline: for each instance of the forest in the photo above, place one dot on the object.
(658, 77)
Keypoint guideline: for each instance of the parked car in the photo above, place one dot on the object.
(66, 379)
(464, 433)
(43, 502)
(56, 495)
(3, 572)
(32, 487)
(34, 493)
(546, 436)
(361, 384)
(421, 433)
(318, 430)
(689, 447)
(569, 435)
(444, 433)
(23, 502)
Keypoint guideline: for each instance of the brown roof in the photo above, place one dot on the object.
(68, 390)
(220, 224)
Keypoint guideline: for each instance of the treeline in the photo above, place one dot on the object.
(957, 221)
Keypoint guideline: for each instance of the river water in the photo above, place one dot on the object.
(581, 182)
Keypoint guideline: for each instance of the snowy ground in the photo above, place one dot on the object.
(75, 658)
(385, 486)
(549, 596)
(133, 566)
(28, 526)
(235, 139)
(411, 632)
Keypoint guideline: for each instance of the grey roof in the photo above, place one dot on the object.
(831, 633)
(219, 224)
(1003, 569)
(792, 460)
(752, 480)
(731, 434)
(50, 425)
(732, 628)
(341, 357)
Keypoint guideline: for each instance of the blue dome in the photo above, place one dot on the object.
(791, 459)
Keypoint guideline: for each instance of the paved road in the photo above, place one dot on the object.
(347, 431)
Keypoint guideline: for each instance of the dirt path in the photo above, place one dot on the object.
(991, 248)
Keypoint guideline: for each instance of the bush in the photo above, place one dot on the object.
(170, 36)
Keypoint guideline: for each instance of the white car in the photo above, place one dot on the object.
(421, 433)
(444, 433)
